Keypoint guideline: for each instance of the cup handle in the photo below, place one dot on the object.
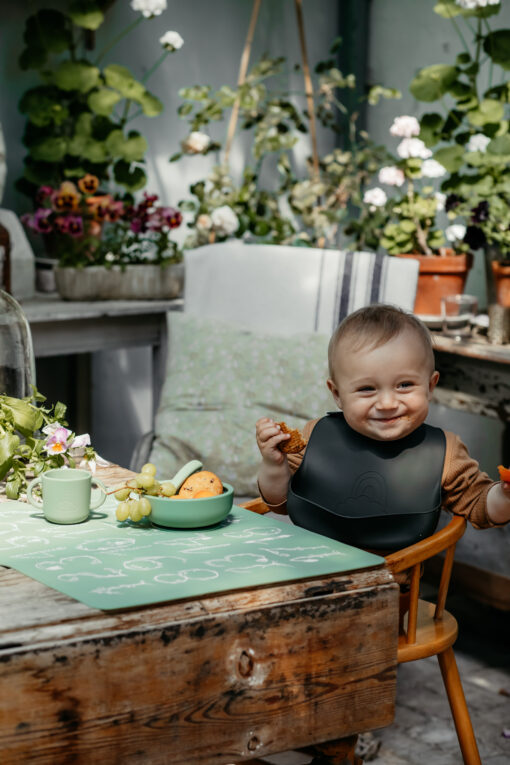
(31, 486)
(102, 497)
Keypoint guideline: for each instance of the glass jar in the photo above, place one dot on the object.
(17, 365)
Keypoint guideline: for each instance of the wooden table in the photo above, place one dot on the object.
(475, 378)
(61, 327)
(219, 679)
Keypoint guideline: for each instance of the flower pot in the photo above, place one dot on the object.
(439, 275)
(501, 277)
(136, 282)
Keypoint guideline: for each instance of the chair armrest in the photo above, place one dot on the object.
(427, 548)
(256, 505)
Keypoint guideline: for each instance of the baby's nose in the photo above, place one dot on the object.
(386, 399)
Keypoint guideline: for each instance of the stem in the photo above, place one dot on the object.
(155, 66)
(124, 117)
(420, 233)
(452, 19)
(117, 39)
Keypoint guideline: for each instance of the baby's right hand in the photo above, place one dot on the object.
(269, 436)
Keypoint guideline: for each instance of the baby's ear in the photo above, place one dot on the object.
(334, 392)
(434, 378)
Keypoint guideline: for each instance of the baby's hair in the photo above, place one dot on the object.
(375, 325)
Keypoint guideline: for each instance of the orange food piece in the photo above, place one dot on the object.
(204, 493)
(293, 444)
(204, 480)
(504, 473)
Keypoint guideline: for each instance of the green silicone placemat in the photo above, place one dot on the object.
(108, 565)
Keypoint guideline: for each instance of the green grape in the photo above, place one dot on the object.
(134, 511)
(122, 494)
(154, 490)
(122, 511)
(144, 506)
(149, 468)
(168, 489)
(132, 483)
(144, 480)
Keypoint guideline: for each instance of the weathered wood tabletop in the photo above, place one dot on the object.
(218, 679)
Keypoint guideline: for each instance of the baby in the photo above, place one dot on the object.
(375, 474)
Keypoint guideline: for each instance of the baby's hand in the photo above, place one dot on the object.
(269, 435)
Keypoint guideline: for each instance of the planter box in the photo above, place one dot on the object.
(136, 282)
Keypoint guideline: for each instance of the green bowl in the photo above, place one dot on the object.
(191, 513)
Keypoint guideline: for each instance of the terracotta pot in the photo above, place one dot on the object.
(439, 275)
(501, 276)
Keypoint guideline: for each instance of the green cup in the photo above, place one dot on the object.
(66, 494)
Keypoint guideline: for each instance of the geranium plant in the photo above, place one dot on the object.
(86, 227)
(35, 438)
(470, 135)
(295, 208)
(78, 116)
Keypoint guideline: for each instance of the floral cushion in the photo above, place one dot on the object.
(220, 380)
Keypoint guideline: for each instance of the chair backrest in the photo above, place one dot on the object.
(411, 559)
(284, 290)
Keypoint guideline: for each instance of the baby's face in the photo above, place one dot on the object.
(384, 392)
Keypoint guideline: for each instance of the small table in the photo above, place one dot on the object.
(219, 679)
(475, 378)
(61, 327)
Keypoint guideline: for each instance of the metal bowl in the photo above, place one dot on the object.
(191, 513)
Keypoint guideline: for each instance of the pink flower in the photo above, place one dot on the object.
(41, 221)
(75, 226)
(43, 193)
(57, 442)
(171, 216)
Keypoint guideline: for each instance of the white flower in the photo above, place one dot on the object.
(471, 5)
(109, 257)
(375, 197)
(171, 41)
(149, 7)
(440, 200)
(196, 143)
(224, 220)
(478, 142)
(413, 147)
(432, 169)
(457, 232)
(405, 127)
(391, 176)
(204, 222)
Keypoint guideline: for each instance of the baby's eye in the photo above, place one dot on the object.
(406, 384)
(366, 389)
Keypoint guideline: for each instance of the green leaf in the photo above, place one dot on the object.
(497, 46)
(8, 446)
(13, 487)
(26, 417)
(76, 75)
(499, 145)
(488, 111)
(378, 91)
(151, 105)
(463, 58)
(121, 79)
(86, 14)
(42, 107)
(430, 128)
(33, 57)
(131, 178)
(49, 150)
(47, 30)
(103, 100)
(175, 156)
(408, 226)
(131, 149)
(432, 82)
(195, 93)
(59, 411)
(451, 157)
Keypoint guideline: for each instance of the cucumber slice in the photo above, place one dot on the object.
(188, 469)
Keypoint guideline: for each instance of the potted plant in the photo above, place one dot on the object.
(108, 247)
(405, 223)
(301, 209)
(78, 129)
(471, 139)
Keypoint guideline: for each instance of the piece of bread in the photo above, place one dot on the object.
(293, 444)
(204, 480)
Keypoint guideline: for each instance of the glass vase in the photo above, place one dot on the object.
(17, 365)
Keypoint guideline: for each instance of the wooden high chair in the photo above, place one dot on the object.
(425, 629)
